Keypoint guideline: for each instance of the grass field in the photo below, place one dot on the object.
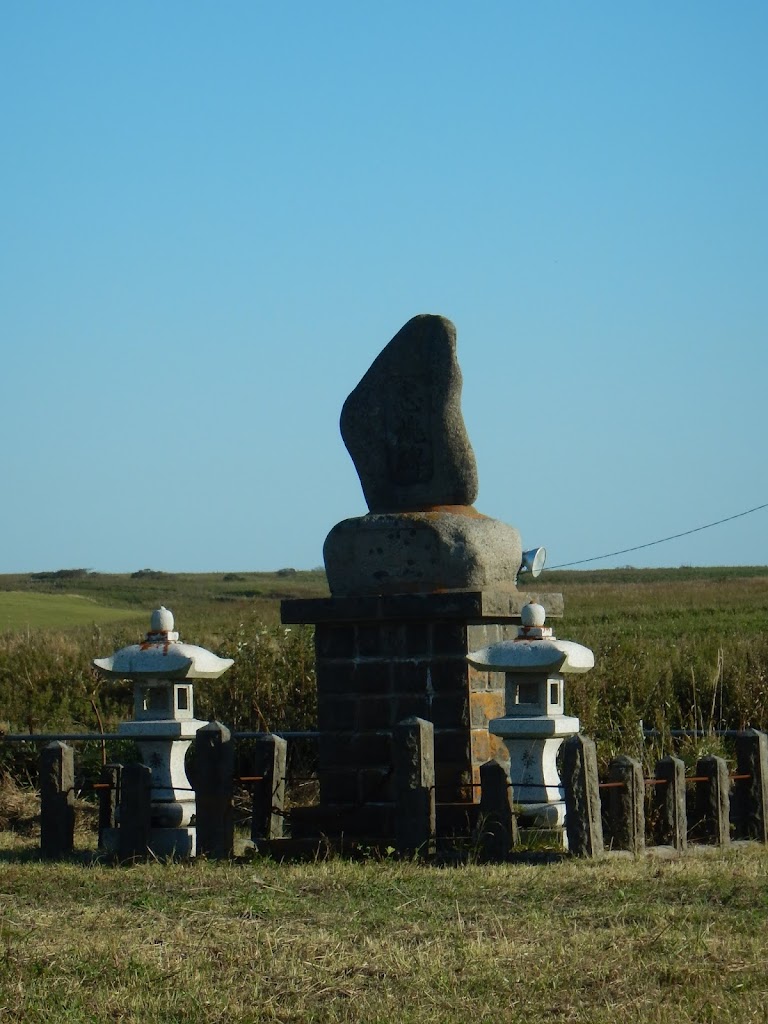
(24, 611)
(213, 596)
(674, 648)
(617, 940)
(681, 942)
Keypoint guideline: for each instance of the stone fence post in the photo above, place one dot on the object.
(135, 811)
(498, 821)
(214, 784)
(57, 800)
(627, 804)
(713, 800)
(270, 760)
(109, 798)
(583, 815)
(671, 819)
(750, 795)
(414, 775)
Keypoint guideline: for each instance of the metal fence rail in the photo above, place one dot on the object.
(105, 737)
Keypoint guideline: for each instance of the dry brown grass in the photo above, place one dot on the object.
(19, 807)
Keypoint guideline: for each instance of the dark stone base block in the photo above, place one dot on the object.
(380, 660)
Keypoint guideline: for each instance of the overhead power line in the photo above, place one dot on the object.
(661, 540)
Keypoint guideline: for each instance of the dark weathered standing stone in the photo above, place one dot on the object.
(57, 799)
(214, 769)
(403, 425)
(414, 771)
(404, 430)
(713, 802)
(498, 821)
(583, 819)
(670, 818)
(750, 795)
(627, 804)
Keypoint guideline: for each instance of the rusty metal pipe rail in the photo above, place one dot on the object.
(665, 782)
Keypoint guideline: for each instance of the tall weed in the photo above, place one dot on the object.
(686, 651)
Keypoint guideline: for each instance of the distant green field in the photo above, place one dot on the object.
(20, 610)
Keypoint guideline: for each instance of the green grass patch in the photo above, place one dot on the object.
(19, 611)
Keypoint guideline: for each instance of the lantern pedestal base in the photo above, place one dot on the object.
(543, 815)
(543, 839)
(532, 744)
(164, 843)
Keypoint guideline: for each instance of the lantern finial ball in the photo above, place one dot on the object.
(161, 620)
(533, 614)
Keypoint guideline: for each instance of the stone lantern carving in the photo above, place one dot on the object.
(162, 669)
(535, 724)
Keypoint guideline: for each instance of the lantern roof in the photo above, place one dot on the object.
(534, 650)
(162, 656)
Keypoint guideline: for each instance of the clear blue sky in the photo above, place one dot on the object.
(214, 216)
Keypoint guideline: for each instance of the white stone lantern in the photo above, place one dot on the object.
(164, 724)
(535, 723)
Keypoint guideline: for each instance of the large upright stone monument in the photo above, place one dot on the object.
(418, 583)
(404, 429)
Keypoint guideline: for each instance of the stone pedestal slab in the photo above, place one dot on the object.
(441, 548)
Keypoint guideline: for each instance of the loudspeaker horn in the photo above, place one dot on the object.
(533, 561)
